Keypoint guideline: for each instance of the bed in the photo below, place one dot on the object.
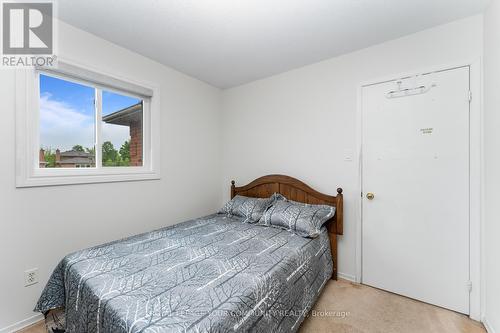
(211, 274)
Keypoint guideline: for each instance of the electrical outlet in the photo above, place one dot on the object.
(30, 277)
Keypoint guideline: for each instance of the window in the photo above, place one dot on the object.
(67, 123)
(79, 126)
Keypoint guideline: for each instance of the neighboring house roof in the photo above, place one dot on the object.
(125, 116)
(76, 157)
(77, 160)
(74, 153)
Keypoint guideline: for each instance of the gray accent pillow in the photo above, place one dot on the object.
(303, 219)
(251, 209)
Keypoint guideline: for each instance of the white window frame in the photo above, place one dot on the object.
(28, 172)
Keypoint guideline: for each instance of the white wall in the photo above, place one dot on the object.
(39, 225)
(491, 233)
(300, 123)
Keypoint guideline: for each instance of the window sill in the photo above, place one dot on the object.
(73, 177)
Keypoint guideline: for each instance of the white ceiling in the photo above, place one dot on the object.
(231, 42)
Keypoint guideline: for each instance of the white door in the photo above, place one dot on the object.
(416, 164)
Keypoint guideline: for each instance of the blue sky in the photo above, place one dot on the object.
(67, 114)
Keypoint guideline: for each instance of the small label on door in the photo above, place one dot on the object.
(426, 130)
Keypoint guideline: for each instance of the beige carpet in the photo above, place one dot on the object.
(345, 307)
(370, 310)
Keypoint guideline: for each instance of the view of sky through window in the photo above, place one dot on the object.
(66, 114)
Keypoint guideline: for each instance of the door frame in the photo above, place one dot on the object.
(476, 164)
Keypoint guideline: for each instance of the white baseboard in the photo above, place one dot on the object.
(487, 325)
(22, 324)
(347, 277)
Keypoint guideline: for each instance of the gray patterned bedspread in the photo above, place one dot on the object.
(212, 274)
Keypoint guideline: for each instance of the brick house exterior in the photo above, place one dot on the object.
(41, 159)
(132, 118)
(136, 143)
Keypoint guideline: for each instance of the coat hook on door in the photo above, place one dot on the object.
(408, 91)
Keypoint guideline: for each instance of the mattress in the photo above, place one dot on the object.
(211, 274)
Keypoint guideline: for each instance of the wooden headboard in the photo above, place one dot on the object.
(296, 190)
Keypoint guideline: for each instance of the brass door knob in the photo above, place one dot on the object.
(370, 196)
